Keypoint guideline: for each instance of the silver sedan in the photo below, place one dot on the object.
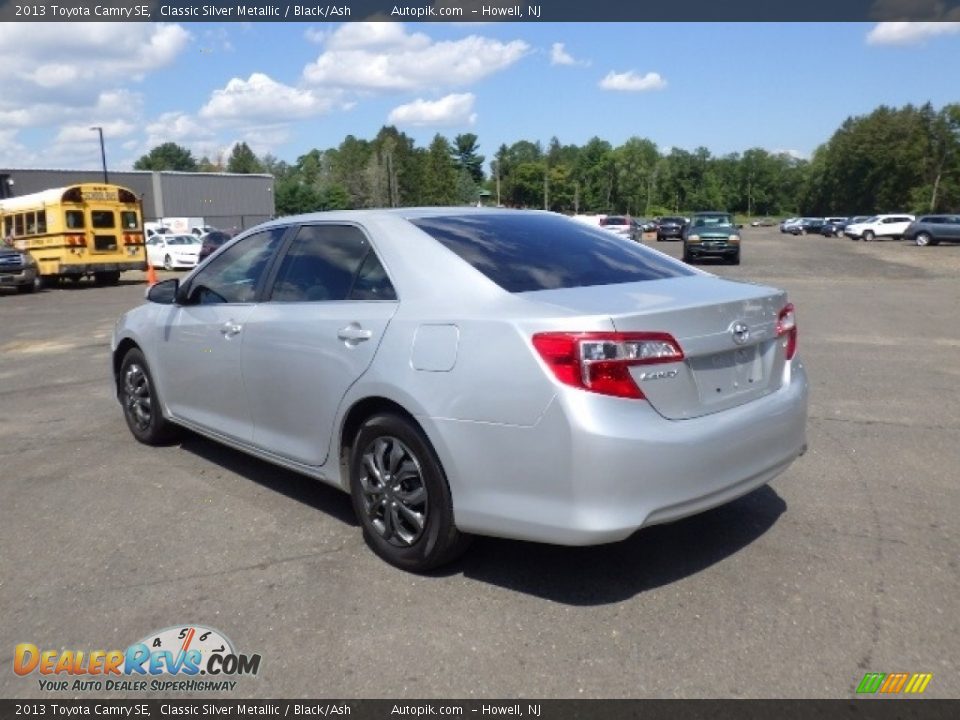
(468, 371)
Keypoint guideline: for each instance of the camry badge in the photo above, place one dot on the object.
(740, 332)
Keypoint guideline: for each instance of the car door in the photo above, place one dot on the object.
(313, 337)
(895, 226)
(199, 352)
(950, 229)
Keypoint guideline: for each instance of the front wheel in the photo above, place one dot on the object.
(922, 239)
(167, 263)
(868, 236)
(141, 405)
(401, 497)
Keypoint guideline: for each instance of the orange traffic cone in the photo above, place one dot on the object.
(151, 275)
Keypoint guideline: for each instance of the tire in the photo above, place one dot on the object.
(167, 263)
(24, 289)
(734, 259)
(868, 236)
(688, 258)
(401, 496)
(141, 405)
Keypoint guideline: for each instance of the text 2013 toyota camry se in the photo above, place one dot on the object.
(470, 371)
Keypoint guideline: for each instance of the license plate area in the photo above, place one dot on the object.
(729, 373)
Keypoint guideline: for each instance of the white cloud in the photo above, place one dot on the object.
(52, 54)
(177, 127)
(560, 56)
(383, 56)
(795, 154)
(449, 111)
(909, 33)
(316, 35)
(85, 134)
(262, 98)
(631, 81)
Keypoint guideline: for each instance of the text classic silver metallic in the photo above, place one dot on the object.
(470, 371)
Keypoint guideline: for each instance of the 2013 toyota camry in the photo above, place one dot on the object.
(468, 371)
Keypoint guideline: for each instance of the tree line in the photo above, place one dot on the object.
(893, 159)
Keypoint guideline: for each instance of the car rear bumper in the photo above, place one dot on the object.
(596, 469)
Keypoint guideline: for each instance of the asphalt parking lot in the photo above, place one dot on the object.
(847, 563)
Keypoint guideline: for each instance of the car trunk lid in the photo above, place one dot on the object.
(727, 331)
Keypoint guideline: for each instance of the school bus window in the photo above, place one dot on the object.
(31, 223)
(18, 224)
(128, 219)
(74, 219)
(7, 226)
(41, 222)
(103, 218)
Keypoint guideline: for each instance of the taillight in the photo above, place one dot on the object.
(600, 362)
(787, 327)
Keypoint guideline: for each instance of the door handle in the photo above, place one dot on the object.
(230, 328)
(353, 334)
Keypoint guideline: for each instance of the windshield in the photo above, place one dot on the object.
(710, 220)
(181, 240)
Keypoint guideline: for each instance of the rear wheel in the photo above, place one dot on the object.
(401, 497)
(141, 405)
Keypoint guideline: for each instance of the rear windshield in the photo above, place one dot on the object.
(521, 252)
(679, 220)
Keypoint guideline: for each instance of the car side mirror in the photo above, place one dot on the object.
(164, 292)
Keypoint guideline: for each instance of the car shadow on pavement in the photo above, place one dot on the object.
(650, 558)
(295, 486)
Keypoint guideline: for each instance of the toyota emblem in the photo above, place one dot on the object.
(740, 332)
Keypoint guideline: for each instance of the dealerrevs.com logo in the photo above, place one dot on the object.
(185, 658)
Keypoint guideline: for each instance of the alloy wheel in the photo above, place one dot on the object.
(393, 492)
(137, 400)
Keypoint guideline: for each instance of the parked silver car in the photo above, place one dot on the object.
(469, 371)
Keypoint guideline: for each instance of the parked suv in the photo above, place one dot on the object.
(879, 226)
(932, 229)
(671, 228)
(18, 269)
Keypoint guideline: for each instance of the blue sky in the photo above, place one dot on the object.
(285, 88)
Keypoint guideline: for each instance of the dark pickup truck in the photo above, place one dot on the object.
(17, 269)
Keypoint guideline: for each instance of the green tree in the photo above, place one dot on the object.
(440, 177)
(465, 156)
(168, 156)
(243, 160)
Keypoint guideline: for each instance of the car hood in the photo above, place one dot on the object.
(717, 231)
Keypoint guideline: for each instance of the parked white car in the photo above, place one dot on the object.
(173, 251)
(879, 226)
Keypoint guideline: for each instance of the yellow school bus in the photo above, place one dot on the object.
(90, 229)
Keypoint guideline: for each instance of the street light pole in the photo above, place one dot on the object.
(103, 154)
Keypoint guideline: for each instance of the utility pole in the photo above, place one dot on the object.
(103, 153)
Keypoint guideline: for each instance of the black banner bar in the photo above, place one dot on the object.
(856, 709)
(479, 10)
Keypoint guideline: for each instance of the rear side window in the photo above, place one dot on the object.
(329, 263)
(523, 252)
